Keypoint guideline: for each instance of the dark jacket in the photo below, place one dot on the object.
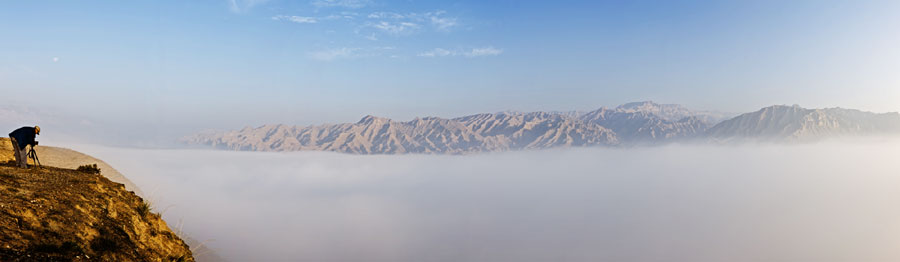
(24, 135)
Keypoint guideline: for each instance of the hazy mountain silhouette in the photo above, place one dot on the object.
(794, 123)
(648, 122)
(638, 123)
(374, 135)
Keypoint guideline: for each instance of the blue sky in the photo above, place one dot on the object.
(231, 63)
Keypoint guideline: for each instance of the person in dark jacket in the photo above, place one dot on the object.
(20, 138)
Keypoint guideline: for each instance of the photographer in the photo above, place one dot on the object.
(22, 138)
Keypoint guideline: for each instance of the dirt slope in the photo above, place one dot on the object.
(67, 158)
(54, 214)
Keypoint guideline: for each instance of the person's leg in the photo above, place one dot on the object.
(17, 152)
(24, 155)
(23, 158)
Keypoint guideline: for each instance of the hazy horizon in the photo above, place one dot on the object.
(67, 128)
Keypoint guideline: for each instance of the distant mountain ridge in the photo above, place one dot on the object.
(638, 123)
(794, 123)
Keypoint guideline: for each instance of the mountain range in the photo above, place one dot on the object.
(638, 123)
(794, 123)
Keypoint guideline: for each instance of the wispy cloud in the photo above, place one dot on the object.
(377, 24)
(405, 24)
(485, 51)
(441, 22)
(343, 53)
(437, 52)
(334, 54)
(296, 19)
(314, 19)
(341, 3)
(385, 15)
(240, 6)
(474, 52)
(395, 28)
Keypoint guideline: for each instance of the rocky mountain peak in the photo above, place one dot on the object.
(643, 105)
(370, 119)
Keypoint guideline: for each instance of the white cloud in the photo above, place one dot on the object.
(334, 54)
(313, 20)
(341, 15)
(443, 23)
(55, 59)
(395, 28)
(240, 6)
(341, 3)
(406, 24)
(437, 52)
(385, 15)
(475, 52)
(333, 17)
(374, 26)
(296, 19)
(439, 21)
(351, 53)
(485, 51)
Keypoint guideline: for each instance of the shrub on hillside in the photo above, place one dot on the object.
(143, 209)
(90, 169)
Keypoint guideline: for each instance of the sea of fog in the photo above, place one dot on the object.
(831, 201)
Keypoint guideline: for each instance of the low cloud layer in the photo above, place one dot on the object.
(834, 201)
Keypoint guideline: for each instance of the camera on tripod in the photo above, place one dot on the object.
(33, 155)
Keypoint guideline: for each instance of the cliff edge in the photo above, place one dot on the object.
(56, 214)
(67, 158)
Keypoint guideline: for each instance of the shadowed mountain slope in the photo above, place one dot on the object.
(648, 122)
(794, 123)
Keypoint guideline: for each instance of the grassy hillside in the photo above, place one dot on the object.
(56, 214)
(71, 159)
(67, 158)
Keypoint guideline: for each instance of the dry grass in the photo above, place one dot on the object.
(55, 214)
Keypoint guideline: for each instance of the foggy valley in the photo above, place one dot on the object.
(833, 200)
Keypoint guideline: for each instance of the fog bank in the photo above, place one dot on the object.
(835, 201)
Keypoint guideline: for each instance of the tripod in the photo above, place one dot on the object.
(31, 154)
